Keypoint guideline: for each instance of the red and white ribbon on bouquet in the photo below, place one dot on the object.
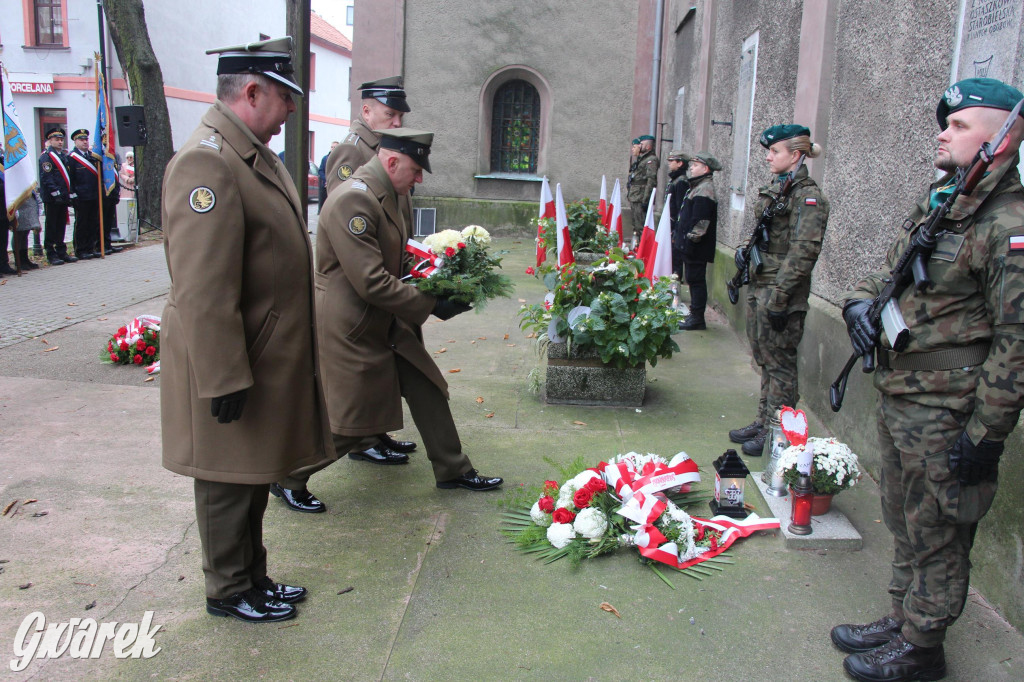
(653, 544)
(652, 478)
(429, 262)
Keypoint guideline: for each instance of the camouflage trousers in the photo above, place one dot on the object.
(774, 352)
(638, 212)
(931, 516)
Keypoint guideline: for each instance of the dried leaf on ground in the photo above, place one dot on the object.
(605, 606)
(531, 335)
(442, 350)
(90, 605)
(511, 345)
(479, 398)
(102, 319)
(522, 300)
(481, 338)
(505, 337)
(347, 590)
(30, 500)
(43, 341)
(50, 350)
(25, 586)
(148, 379)
(489, 415)
(72, 304)
(8, 507)
(454, 371)
(579, 423)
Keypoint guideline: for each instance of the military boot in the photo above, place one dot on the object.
(897, 661)
(693, 323)
(755, 446)
(747, 432)
(854, 639)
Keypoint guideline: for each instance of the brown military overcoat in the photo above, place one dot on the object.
(365, 313)
(352, 154)
(240, 311)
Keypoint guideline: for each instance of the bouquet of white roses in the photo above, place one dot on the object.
(458, 266)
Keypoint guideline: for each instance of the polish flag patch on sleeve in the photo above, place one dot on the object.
(1017, 243)
(810, 201)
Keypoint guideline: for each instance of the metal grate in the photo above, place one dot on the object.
(515, 128)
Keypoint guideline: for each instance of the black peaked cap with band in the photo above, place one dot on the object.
(271, 58)
(388, 91)
(55, 132)
(413, 143)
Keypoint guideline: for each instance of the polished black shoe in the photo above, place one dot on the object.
(897, 661)
(55, 261)
(251, 606)
(692, 323)
(6, 269)
(299, 500)
(755, 446)
(854, 639)
(746, 433)
(286, 593)
(380, 455)
(29, 265)
(390, 443)
(110, 248)
(87, 255)
(471, 480)
(68, 258)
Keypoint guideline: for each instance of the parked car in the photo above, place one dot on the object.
(312, 181)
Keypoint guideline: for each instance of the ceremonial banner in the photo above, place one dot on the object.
(19, 169)
(102, 141)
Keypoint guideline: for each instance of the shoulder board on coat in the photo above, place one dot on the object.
(352, 138)
(360, 185)
(211, 142)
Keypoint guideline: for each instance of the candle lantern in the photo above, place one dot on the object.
(730, 480)
(777, 442)
(803, 494)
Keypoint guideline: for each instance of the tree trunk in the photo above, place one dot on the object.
(127, 22)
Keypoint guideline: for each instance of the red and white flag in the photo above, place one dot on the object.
(614, 223)
(647, 234)
(564, 249)
(658, 255)
(547, 210)
(602, 204)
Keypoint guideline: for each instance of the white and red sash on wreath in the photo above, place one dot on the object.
(428, 263)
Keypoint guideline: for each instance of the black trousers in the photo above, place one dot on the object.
(87, 227)
(55, 225)
(696, 279)
(109, 219)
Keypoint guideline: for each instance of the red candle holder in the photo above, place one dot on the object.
(803, 496)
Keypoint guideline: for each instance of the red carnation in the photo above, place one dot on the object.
(151, 350)
(110, 345)
(596, 485)
(461, 245)
(141, 344)
(550, 487)
(449, 252)
(563, 515)
(581, 498)
(714, 543)
(546, 504)
(122, 331)
(700, 532)
(138, 359)
(113, 357)
(123, 345)
(530, 271)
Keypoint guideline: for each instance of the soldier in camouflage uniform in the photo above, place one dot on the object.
(777, 297)
(950, 399)
(643, 179)
(383, 106)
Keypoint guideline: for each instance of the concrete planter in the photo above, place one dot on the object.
(582, 379)
(586, 258)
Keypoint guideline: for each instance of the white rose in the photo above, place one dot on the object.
(541, 518)
(560, 534)
(591, 523)
(477, 234)
(581, 479)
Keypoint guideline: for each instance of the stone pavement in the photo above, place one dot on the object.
(408, 581)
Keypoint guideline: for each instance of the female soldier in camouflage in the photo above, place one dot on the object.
(777, 296)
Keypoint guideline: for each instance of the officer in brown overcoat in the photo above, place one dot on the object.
(371, 355)
(241, 401)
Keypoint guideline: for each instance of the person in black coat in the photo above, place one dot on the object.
(696, 234)
(84, 169)
(55, 188)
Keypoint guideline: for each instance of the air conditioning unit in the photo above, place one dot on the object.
(425, 220)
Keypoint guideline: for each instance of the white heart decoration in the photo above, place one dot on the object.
(794, 425)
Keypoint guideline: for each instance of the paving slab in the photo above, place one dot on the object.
(828, 531)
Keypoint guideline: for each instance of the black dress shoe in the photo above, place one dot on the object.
(396, 445)
(6, 269)
(251, 606)
(55, 261)
(299, 500)
(897, 661)
(110, 248)
(471, 480)
(286, 593)
(68, 258)
(26, 264)
(380, 455)
(853, 639)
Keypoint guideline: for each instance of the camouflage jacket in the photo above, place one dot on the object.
(977, 298)
(794, 242)
(643, 179)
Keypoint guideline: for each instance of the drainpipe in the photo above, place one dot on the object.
(656, 67)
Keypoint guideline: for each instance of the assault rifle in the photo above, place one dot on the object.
(912, 263)
(750, 255)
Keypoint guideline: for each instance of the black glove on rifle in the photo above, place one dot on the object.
(446, 309)
(975, 463)
(863, 335)
(228, 408)
(739, 259)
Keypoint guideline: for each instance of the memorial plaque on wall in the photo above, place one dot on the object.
(990, 40)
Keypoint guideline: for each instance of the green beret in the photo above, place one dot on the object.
(782, 132)
(636, 140)
(977, 92)
(708, 160)
(643, 138)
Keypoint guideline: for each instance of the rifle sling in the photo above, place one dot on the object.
(936, 360)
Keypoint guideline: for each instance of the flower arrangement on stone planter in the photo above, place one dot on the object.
(586, 232)
(834, 468)
(609, 308)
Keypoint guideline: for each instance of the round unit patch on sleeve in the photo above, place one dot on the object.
(202, 199)
(357, 225)
(47, 166)
(345, 172)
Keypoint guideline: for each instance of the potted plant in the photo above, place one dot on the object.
(604, 322)
(834, 469)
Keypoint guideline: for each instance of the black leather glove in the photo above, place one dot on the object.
(740, 259)
(778, 320)
(863, 335)
(975, 463)
(446, 309)
(228, 408)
